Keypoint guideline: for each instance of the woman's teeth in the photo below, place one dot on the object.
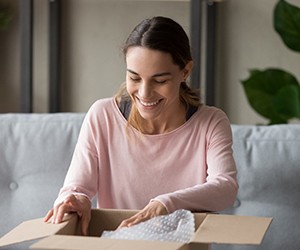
(148, 104)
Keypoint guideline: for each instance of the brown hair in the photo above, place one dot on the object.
(163, 34)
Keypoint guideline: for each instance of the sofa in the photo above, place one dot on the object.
(36, 149)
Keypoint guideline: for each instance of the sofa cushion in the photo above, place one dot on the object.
(268, 162)
(35, 152)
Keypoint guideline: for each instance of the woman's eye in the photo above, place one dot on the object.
(134, 79)
(160, 81)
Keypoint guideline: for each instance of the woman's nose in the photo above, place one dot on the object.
(145, 89)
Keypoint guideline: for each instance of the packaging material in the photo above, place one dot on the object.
(178, 226)
(209, 228)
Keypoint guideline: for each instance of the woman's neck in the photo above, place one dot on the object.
(165, 124)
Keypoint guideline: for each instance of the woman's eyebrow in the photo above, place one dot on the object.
(162, 74)
(132, 72)
(155, 75)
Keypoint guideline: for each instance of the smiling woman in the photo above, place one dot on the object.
(159, 61)
(126, 153)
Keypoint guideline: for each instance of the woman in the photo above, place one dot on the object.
(153, 147)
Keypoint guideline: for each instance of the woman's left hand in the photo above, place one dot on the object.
(153, 209)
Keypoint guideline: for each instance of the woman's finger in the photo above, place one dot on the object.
(140, 216)
(85, 220)
(68, 205)
(138, 220)
(48, 215)
(154, 208)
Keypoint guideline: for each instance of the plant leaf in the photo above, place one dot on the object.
(261, 88)
(286, 21)
(287, 102)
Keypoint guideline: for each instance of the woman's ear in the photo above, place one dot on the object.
(187, 70)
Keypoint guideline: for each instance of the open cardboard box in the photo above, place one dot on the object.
(209, 228)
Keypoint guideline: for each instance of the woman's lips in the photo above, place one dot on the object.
(149, 104)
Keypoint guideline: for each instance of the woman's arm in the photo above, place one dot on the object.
(80, 184)
(220, 189)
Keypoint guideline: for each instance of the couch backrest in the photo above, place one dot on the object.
(35, 152)
(268, 162)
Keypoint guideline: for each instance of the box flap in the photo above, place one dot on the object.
(33, 229)
(67, 242)
(232, 229)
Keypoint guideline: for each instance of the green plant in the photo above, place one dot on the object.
(275, 93)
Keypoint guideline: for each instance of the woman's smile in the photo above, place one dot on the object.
(149, 104)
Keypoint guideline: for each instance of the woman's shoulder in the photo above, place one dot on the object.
(209, 117)
(209, 120)
(211, 111)
(102, 107)
(102, 104)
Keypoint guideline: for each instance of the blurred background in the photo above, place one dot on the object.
(91, 65)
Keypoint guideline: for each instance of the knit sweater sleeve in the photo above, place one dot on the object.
(82, 175)
(220, 189)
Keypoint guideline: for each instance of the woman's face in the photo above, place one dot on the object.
(153, 81)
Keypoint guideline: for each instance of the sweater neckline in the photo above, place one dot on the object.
(177, 130)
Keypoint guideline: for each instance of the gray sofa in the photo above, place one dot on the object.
(36, 150)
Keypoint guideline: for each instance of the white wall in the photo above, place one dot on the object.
(40, 56)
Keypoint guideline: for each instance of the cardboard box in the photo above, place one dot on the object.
(210, 228)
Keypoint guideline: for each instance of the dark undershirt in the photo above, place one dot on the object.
(125, 107)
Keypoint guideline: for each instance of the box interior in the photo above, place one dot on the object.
(210, 228)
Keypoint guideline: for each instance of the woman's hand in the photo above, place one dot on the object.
(72, 204)
(154, 208)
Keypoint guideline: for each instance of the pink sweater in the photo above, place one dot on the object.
(191, 167)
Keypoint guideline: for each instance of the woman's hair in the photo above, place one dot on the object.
(166, 35)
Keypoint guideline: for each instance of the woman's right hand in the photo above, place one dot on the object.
(72, 204)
